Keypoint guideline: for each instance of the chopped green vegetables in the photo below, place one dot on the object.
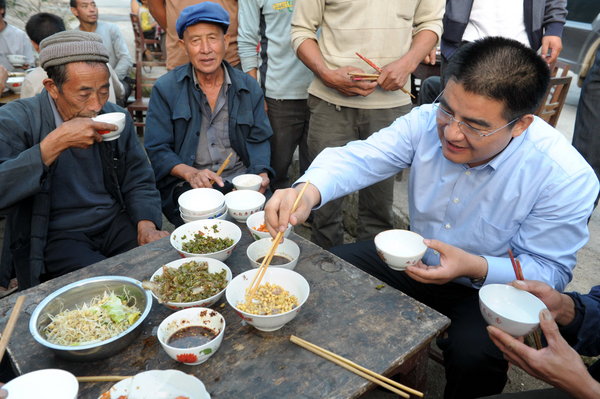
(204, 244)
(189, 282)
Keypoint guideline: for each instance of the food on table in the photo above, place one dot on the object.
(189, 282)
(262, 227)
(269, 299)
(204, 244)
(191, 336)
(276, 260)
(103, 317)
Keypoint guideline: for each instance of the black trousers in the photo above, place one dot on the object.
(474, 366)
(69, 251)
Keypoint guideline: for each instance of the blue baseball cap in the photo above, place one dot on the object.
(206, 11)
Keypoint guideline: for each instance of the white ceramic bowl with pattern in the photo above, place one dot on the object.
(247, 182)
(116, 118)
(200, 201)
(203, 317)
(400, 248)
(46, 383)
(243, 203)
(257, 219)
(512, 310)
(213, 228)
(287, 249)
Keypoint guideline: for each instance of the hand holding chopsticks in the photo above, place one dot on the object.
(357, 369)
(372, 77)
(267, 260)
(222, 167)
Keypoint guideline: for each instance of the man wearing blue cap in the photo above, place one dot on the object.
(204, 110)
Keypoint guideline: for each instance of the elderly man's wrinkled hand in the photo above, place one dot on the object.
(203, 178)
(147, 232)
(561, 306)
(264, 185)
(340, 80)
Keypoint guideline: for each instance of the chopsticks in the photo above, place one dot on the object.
(357, 369)
(519, 274)
(267, 260)
(10, 325)
(102, 378)
(374, 76)
(222, 167)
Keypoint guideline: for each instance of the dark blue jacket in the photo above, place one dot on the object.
(173, 127)
(584, 332)
(541, 17)
(26, 182)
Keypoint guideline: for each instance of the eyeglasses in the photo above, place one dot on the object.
(464, 127)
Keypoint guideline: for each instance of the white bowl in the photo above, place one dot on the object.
(200, 201)
(158, 384)
(400, 248)
(225, 229)
(208, 215)
(243, 203)
(288, 279)
(116, 118)
(17, 60)
(256, 220)
(15, 83)
(512, 310)
(288, 249)
(247, 182)
(47, 384)
(214, 266)
(188, 219)
(203, 317)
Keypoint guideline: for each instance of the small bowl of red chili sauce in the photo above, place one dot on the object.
(192, 335)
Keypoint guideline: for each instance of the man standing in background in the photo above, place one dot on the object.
(283, 78)
(119, 58)
(396, 36)
(166, 13)
(13, 41)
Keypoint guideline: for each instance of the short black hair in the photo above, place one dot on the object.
(42, 25)
(58, 73)
(501, 69)
(73, 3)
(3, 7)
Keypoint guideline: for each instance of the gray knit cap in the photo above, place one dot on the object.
(72, 46)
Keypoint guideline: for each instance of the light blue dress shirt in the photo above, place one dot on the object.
(534, 197)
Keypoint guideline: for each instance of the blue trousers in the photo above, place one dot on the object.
(586, 136)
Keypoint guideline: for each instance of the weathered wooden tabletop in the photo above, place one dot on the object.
(345, 313)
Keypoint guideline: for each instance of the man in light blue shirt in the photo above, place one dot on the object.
(486, 176)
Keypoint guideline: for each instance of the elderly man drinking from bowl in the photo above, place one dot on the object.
(202, 111)
(72, 198)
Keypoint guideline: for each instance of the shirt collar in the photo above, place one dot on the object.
(58, 120)
(226, 77)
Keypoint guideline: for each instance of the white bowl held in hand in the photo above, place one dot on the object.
(512, 310)
(243, 203)
(247, 182)
(400, 248)
(287, 249)
(256, 220)
(47, 384)
(116, 118)
(287, 279)
(193, 317)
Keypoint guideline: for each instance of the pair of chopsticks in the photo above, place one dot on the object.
(103, 378)
(222, 167)
(371, 77)
(10, 325)
(267, 260)
(519, 274)
(372, 376)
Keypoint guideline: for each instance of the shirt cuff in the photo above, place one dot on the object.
(319, 183)
(500, 270)
(554, 29)
(249, 63)
(571, 330)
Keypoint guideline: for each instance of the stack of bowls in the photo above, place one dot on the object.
(202, 203)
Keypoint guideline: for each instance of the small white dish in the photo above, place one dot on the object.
(256, 220)
(47, 384)
(247, 182)
(400, 248)
(243, 203)
(286, 249)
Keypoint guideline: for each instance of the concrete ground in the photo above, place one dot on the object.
(586, 276)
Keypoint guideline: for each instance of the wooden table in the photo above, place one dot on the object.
(347, 312)
(9, 96)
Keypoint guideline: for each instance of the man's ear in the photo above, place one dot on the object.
(227, 38)
(51, 88)
(521, 125)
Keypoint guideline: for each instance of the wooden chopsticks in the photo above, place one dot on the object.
(374, 76)
(357, 369)
(222, 167)
(102, 378)
(519, 274)
(267, 260)
(10, 325)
